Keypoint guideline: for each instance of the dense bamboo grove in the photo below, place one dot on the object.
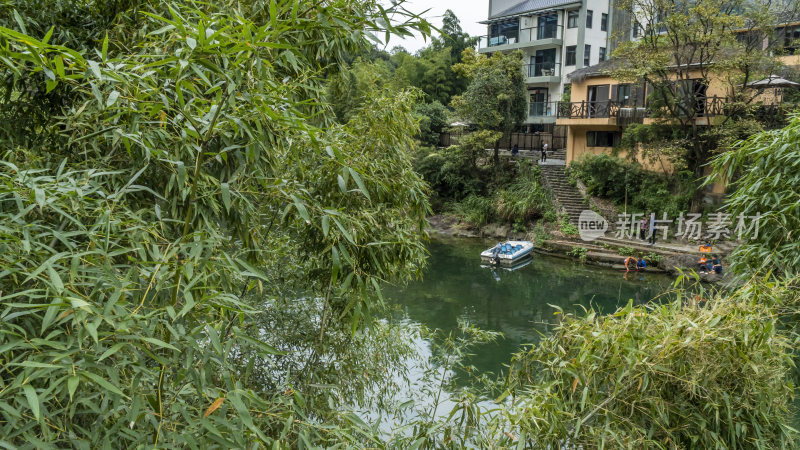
(191, 249)
(166, 176)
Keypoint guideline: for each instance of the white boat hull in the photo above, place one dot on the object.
(509, 253)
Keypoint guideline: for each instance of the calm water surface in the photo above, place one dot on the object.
(516, 303)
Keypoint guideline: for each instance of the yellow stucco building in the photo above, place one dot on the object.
(601, 107)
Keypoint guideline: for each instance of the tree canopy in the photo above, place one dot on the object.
(495, 98)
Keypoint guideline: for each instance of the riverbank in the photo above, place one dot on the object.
(671, 258)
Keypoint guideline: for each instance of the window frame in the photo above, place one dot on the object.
(587, 55)
(571, 50)
(589, 14)
(592, 138)
(602, 54)
(572, 18)
(604, 22)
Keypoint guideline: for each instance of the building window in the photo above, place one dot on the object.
(588, 18)
(604, 22)
(587, 51)
(504, 32)
(572, 19)
(791, 39)
(602, 53)
(547, 27)
(624, 95)
(571, 55)
(602, 138)
(636, 29)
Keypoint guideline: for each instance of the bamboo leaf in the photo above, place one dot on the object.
(33, 399)
(226, 196)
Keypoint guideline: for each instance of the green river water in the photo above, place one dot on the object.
(516, 303)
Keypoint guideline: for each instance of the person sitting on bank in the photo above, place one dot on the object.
(641, 264)
(515, 150)
(716, 265)
(702, 265)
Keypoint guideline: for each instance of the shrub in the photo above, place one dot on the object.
(523, 200)
(653, 257)
(474, 209)
(449, 173)
(666, 376)
(627, 251)
(567, 228)
(540, 234)
(578, 252)
(618, 179)
(550, 215)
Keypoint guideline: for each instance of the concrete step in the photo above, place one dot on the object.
(643, 246)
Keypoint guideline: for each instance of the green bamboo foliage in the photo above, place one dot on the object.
(764, 173)
(678, 375)
(191, 174)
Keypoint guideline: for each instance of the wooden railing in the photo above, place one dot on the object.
(627, 113)
(588, 110)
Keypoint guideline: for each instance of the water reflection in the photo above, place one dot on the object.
(519, 303)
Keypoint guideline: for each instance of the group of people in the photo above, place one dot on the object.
(709, 265)
(634, 263)
(543, 158)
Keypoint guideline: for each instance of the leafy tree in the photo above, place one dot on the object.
(684, 48)
(454, 37)
(193, 201)
(495, 98)
(430, 70)
(433, 119)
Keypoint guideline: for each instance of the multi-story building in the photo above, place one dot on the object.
(557, 37)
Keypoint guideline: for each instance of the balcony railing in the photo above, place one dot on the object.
(524, 35)
(546, 69)
(588, 110)
(542, 109)
(631, 112)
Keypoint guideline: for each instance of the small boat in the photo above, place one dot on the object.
(516, 265)
(508, 252)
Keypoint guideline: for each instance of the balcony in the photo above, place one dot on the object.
(542, 112)
(546, 72)
(550, 34)
(599, 113)
(625, 113)
(542, 109)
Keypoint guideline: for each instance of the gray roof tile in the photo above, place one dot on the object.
(532, 5)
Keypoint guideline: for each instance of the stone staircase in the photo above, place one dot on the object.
(557, 154)
(566, 197)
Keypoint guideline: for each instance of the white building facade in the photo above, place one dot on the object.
(556, 37)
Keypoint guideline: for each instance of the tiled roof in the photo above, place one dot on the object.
(602, 68)
(531, 5)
